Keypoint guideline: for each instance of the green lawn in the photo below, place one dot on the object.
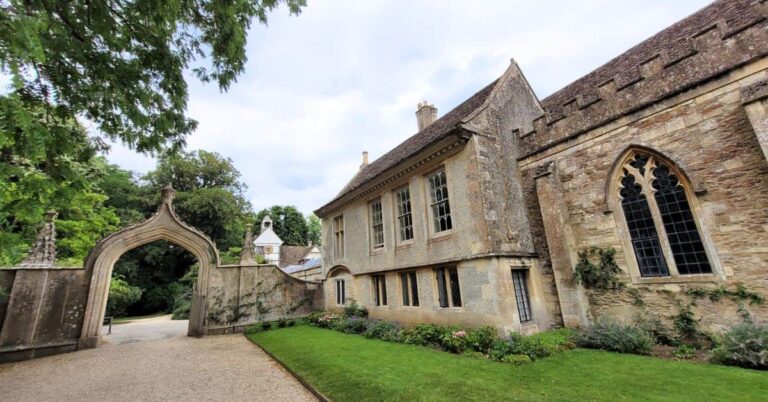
(352, 368)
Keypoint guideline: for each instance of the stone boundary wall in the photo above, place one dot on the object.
(241, 295)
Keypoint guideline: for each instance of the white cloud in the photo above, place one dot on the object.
(346, 76)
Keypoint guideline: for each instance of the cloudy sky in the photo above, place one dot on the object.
(345, 76)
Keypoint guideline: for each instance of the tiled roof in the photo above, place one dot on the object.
(436, 131)
(291, 255)
(671, 46)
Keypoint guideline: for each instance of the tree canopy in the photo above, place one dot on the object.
(291, 225)
(121, 63)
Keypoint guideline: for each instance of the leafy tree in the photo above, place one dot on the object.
(209, 194)
(121, 296)
(120, 63)
(314, 229)
(209, 197)
(287, 222)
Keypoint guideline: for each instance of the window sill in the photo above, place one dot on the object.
(450, 309)
(377, 251)
(404, 246)
(662, 280)
(442, 236)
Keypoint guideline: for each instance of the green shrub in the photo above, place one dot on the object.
(604, 274)
(481, 339)
(291, 323)
(353, 325)
(424, 334)
(556, 340)
(653, 325)
(266, 325)
(455, 341)
(517, 360)
(684, 352)
(686, 324)
(354, 310)
(535, 348)
(500, 348)
(379, 329)
(282, 323)
(121, 296)
(745, 345)
(616, 337)
(181, 308)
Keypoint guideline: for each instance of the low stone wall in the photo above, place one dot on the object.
(241, 295)
(43, 312)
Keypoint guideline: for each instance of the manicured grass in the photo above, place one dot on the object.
(352, 368)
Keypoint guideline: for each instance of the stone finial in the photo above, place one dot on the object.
(246, 255)
(365, 160)
(426, 114)
(43, 252)
(168, 193)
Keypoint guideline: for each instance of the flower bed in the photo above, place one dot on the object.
(480, 342)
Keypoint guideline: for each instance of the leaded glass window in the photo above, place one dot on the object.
(380, 290)
(338, 236)
(341, 297)
(441, 208)
(642, 230)
(519, 280)
(448, 289)
(664, 235)
(409, 288)
(404, 216)
(377, 224)
(683, 235)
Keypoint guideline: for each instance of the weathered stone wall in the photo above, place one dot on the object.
(240, 295)
(44, 312)
(706, 132)
(6, 284)
(487, 296)
(489, 227)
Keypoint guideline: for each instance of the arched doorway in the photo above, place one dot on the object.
(164, 225)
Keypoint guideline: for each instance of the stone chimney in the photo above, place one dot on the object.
(365, 160)
(426, 114)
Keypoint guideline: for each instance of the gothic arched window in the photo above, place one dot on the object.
(662, 228)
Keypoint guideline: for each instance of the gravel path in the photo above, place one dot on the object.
(222, 368)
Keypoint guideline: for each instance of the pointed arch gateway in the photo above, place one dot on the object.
(659, 219)
(163, 225)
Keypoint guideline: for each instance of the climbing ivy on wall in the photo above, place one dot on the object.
(601, 274)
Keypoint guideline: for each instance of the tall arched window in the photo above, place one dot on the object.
(664, 235)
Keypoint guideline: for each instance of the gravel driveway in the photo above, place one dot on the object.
(226, 367)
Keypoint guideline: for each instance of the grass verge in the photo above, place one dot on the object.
(352, 368)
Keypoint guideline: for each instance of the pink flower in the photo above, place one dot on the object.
(459, 334)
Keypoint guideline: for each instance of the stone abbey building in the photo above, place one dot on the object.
(661, 154)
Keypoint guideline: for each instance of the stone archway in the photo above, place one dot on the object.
(164, 225)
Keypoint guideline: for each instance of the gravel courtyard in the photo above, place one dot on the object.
(219, 368)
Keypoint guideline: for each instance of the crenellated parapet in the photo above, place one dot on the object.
(723, 37)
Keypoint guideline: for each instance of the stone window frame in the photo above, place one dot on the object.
(409, 289)
(447, 288)
(376, 224)
(398, 215)
(341, 285)
(521, 284)
(433, 232)
(624, 233)
(339, 238)
(379, 297)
